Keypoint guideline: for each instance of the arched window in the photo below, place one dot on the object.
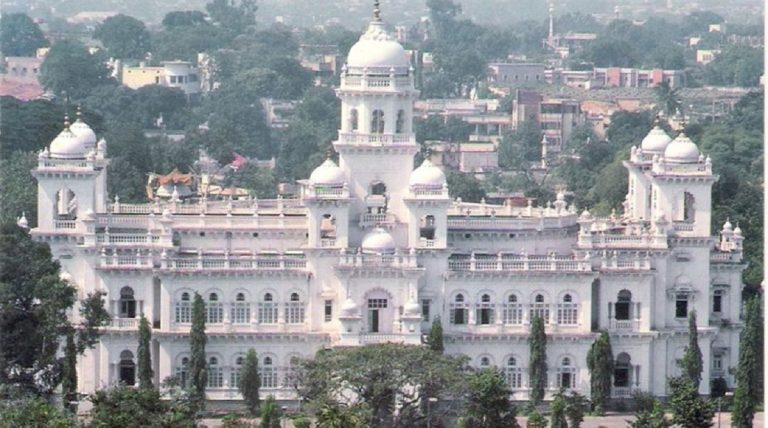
(400, 123)
(514, 374)
(66, 205)
(717, 301)
(485, 362)
(241, 310)
(127, 368)
(353, 119)
(214, 311)
(268, 373)
(294, 310)
(427, 229)
(484, 310)
(566, 374)
(267, 310)
(689, 207)
(328, 227)
(127, 303)
(568, 311)
(622, 372)
(623, 305)
(234, 378)
(215, 376)
(459, 310)
(184, 309)
(540, 309)
(513, 311)
(182, 372)
(377, 122)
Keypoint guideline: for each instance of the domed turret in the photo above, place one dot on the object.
(328, 173)
(412, 309)
(84, 132)
(349, 308)
(427, 175)
(67, 145)
(377, 48)
(379, 241)
(656, 140)
(682, 150)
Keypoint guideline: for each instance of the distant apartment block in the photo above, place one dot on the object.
(173, 74)
(616, 77)
(278, 112)
(24, 68)
(557, 117)
(489, 124)
(516, 73)
(476, 157)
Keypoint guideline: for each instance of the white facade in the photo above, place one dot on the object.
(372, 249)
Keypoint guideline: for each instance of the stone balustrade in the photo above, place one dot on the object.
(512, 262)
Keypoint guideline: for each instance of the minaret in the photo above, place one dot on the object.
(376, 144)
(551, 22)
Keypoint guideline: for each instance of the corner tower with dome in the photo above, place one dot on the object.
(373, 250)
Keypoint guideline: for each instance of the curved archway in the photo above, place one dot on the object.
(127, 368)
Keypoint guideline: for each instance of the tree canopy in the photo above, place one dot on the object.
(124, 37)
(69, 69)
(20, 35)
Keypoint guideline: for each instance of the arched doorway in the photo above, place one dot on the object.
(127, 368)
(622, 372)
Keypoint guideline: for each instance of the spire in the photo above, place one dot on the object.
(657, 119)
(376, 11)
(66, 121)
(79, 113)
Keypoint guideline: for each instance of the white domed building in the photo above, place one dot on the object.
(374, 249)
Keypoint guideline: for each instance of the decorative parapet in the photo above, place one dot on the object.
(516, 262)
(231, 262)
(396, 260)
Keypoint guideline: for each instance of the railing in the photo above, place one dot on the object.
(397, 260)
(128, 239)
(607, 240)
(429, 191)
(683, 226)
(375, 139)
(621, 391)
(614, 264)
(208, 262)
(374, 338)
(376, 82)
(426, 243)
(328, 243)
(203, 206)
(65, 224)
(125, 262)
(127, 323)
(65, 163)
(322, 191)
(375, 219)
(624, 325)
(725, 257)
(520, 263)
(509, 223)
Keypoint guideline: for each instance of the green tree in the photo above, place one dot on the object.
(33, 304)
(650, 416)
(32, 411)
(537, 367)
(70, 69)
(375, 375)
(181, 18)
(689, 410)
(69, 370)
(270, 414)
(557, 411)
(749, 372)
(487, 404)
(20, 36)
(250, 381)
(600, 365)
(18, 188)
(123, 36)
(197, 364)
(125, 406)
(143, 354)
(575, 405)
(435, 338)
(464, 186)
(692, 362)
(669, 99)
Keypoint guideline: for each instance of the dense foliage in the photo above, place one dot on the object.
(123, 37)
(749, 372)
(143, 354)
(537, 366)
(70, 70)
(19, 35)
(487, 403)
(198, 372)
(34, 300)
(692, 362)
(250, 381)
(435, 337)
(689, 410)
(600, 365)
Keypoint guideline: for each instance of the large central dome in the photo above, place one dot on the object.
(377, 49)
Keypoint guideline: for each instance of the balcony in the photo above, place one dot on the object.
(376, 219)
(514, 262)
(376, 139)
(127, 239)
(377, 338)
(624, 325)
(124, 323)
(622, 392)
(233, 263)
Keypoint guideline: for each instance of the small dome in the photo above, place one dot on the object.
(727, 226)
(656, 141)
(349, 308)
(412, 309)
(84, 132)
(67, 145)
(377, 48)
(328, 173)
(682, 150)
(427, 175)
(65, 276)
(379, 241)
(737, 231)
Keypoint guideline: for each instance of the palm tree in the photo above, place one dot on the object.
(669, 99)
